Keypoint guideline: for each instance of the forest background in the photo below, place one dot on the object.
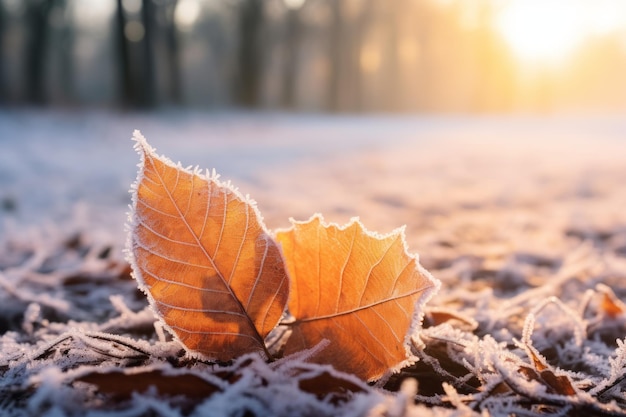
(349, 56)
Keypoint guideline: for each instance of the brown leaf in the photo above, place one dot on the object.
(120, 384)
(330, 386)
(359, 290)
(435, 316)
(539, 362)
(611, 305)
(555, 384)
(201, 253)
(543, 373)
(561, 384)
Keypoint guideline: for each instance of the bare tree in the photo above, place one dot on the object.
(173, 53)
(3, 88)
(148, 93)
(293, 35)
(250, 53)
(65, 47)
(37, 13)
(125, 76)
(137, 79)
(336, 45)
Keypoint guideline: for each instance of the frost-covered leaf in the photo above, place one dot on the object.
(119, 385)
(361, 291)
(610, 305)
(543, 372)
(435, 316)
(201, 253)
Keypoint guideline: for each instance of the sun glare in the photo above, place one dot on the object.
(186, 14)
(547, 31)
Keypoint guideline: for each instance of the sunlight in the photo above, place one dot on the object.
(186, 14)
(548, 31)
(294, 4)
(93, 13)
(370, 58)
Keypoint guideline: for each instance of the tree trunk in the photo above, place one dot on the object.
(3, 88)
(335, 43)
(392, 72)
(250, 53)
(137, 79)
(146, 73)
(67, 57)
(126, 88)
(173, 52)
(37, 14)
(291, 64)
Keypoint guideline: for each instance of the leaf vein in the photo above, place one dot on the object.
(343, 268)
(148, 206)
(198, 310)
(213, 332)
(369, 274)
(182, 284)
(143, 223)
(167, 258)
(365, 307)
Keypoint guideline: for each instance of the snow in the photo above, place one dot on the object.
(520, 217)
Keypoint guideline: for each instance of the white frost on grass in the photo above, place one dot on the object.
(528, 238)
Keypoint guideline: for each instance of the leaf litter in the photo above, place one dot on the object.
(532, 332)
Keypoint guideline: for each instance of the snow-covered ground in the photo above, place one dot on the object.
(53, 163)
(521, 217)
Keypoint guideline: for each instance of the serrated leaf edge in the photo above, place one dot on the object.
(418, 308)
(143, 148)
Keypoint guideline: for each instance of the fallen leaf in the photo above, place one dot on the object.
(201, 253)
(554, 384)
(360, 290)
(611, 305)
(119, 385)
(334, 388)
(543, 373)
(435, 316)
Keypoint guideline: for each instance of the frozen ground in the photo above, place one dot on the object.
(522, 218)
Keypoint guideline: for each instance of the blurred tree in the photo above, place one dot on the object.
(335, 55)
(37, 14)
(250, 53)
(63, 43)
(291, 63)
(336, 48)
(126, 78)
(135, 31)
(393, 12)
(173, 51)
(3, 58)
(350, 24)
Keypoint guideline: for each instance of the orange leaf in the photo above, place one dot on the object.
(612, 306)
(201, 253)
(359, 290)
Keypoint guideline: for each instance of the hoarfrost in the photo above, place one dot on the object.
(529, 321)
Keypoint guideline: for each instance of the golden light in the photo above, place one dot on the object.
(548, 31)
(370, 58)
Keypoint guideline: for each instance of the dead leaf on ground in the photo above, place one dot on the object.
(360, 290)
(543, 373)
(328, 385)
(611, 305)
(434, 316)
(119, 384)
(201, 253)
